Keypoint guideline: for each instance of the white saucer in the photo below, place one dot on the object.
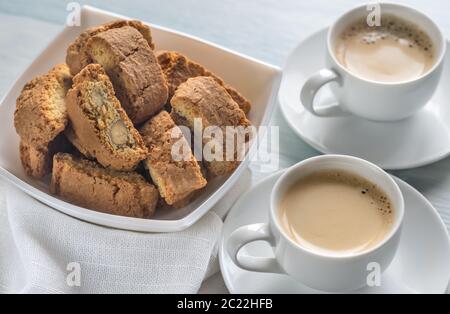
(422, 139)
(422, 264)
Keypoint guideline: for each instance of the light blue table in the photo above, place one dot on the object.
(264, 29)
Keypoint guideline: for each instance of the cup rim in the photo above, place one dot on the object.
(274, 210)
(436, 64)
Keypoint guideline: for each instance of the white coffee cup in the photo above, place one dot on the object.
(373, 100)
(316, 269)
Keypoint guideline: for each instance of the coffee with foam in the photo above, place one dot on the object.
(395, 51)
(336, 212)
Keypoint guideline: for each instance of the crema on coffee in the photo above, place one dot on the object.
(336, 212)
(395, 51)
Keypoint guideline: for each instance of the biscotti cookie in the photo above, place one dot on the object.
(171, 165)
(99, 123)
(87, 184)
(40, 118)
(40, 109)
(204, 99)
(77, 57)
(130, 63)
(177, 69)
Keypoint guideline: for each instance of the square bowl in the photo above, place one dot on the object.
(258, 81)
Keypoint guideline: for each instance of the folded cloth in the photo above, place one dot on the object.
(45, 251)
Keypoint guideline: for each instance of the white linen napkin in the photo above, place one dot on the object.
(45, 251)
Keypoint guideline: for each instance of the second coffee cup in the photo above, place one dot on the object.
(331, 217)
(384, 72)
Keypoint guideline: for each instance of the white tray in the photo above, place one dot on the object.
(256, 80)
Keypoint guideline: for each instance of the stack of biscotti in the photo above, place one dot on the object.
(101, 130)
(100, 120)
(197, 93)
(40, 118)
(86, 110)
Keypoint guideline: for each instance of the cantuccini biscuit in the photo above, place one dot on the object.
(130, 63)
(177, 69)
(87, 184)
(100, 125)
(40, 109)
(204, 99)
(77, 57)
(40, 117)
(171, 165)
(118, 85)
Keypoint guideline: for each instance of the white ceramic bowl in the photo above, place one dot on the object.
(258, 81)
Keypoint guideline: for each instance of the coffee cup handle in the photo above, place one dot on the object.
(248, 234)
(310, 90)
